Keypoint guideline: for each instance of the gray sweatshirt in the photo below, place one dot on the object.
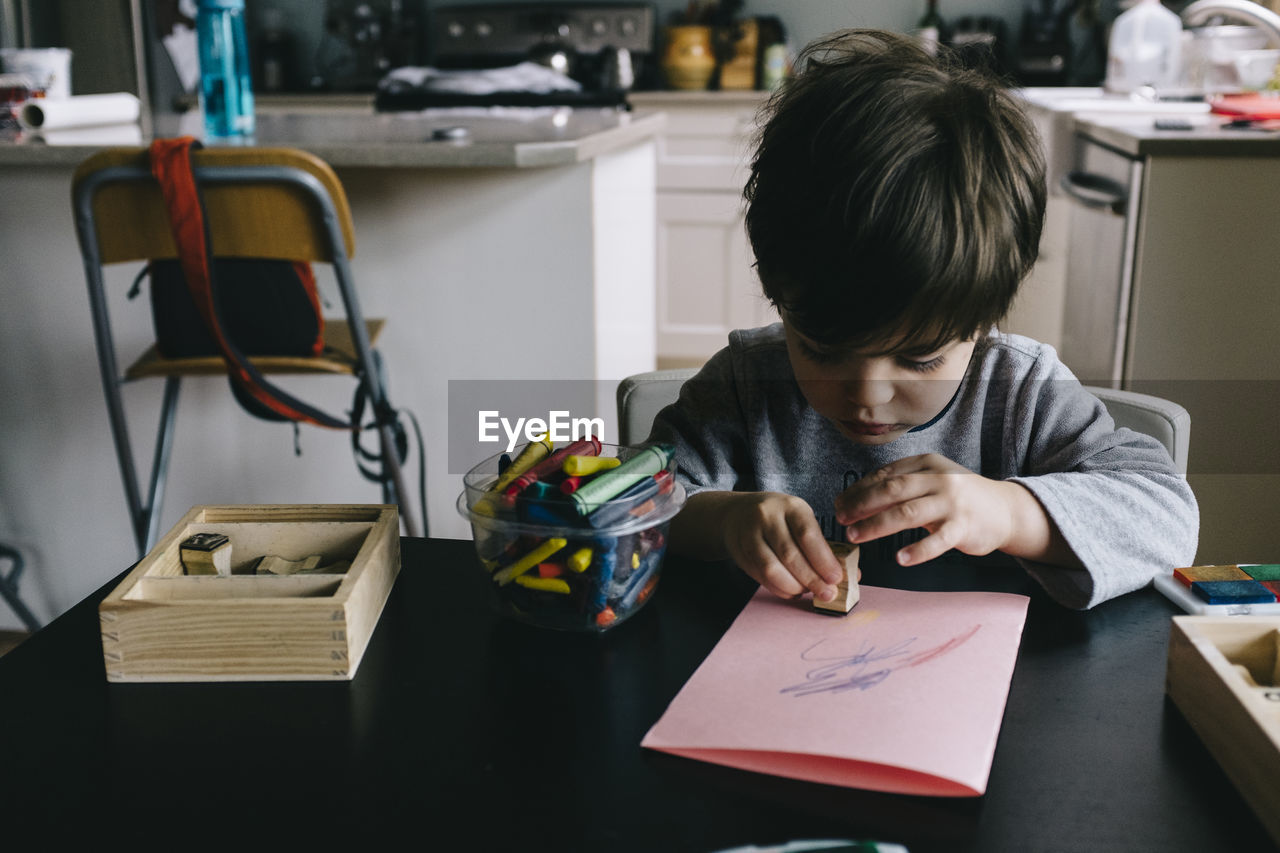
(741, 424)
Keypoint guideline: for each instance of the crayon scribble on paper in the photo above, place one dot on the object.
(869, 666)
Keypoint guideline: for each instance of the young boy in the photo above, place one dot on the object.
(894, 206)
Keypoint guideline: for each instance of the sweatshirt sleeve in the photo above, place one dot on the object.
(707, 429)
(1114, 494)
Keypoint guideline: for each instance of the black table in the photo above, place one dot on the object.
(462, 730)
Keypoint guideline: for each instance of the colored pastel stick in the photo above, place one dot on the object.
(544, 584)
(581, 466)
(606, 562)
(1268, 572)
(529, 560)
(550, 570)
(1192, 574)
(579, 560)
(591, 496)
(635, 585)
(553, 513)
(551, 465)
(533, 453)
(633, 502)
(1233, 592)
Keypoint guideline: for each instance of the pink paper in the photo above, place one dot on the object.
(905, 694)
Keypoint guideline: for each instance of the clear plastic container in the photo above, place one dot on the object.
(553, 567)
(1145, 49)
(226, 90)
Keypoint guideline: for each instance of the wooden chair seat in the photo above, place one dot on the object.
(339, 356)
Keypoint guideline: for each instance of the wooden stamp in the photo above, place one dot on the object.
(847, 589)
(205, 554)
(270, 564)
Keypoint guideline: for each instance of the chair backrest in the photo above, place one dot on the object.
(642, 396)
(257, 216)
(1164, 420)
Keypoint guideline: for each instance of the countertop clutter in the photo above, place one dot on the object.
(461, 137)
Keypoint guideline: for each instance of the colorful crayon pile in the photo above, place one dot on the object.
(573, 537)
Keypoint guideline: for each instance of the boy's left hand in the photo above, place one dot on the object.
(959, 508)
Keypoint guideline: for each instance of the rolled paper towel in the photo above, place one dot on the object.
(79, 111)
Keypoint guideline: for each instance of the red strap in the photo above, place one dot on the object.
(171, 166)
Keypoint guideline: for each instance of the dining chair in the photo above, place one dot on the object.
(267, 203)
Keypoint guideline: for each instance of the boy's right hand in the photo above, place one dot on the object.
(776, 540)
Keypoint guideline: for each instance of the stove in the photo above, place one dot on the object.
(589, 41)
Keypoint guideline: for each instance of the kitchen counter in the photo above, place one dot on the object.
(1137, 136)
(1127, 124)
(358, 136)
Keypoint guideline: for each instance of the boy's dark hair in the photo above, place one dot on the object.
(893, 195)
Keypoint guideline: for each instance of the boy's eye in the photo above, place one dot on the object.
(923, 366)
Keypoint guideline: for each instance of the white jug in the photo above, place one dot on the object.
(1145, 48)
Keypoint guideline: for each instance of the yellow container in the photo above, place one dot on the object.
(688, 61)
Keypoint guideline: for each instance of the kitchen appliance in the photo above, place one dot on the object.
(606, 48)
(1104, 188)
(1044, 45)
(362, 41)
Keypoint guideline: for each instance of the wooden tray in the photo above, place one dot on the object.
(161, 625)
(1238, 722)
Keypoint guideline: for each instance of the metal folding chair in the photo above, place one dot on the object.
(274, 203)
(9, 587)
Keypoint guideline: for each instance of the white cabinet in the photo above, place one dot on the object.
(706, 284)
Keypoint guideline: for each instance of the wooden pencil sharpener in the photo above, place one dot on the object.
(205, 554)
(847, 589)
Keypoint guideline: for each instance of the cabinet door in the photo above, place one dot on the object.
(706, 283)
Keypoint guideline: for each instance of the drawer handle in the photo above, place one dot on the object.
(1096, 191)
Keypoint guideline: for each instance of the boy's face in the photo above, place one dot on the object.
(876, 397)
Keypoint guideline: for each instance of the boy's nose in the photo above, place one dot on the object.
(868, 393)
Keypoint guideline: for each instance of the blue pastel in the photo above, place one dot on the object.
(1233, 592)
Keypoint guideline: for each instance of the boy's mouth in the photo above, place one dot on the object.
(868, 427)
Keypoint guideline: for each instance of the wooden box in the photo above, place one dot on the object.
(1224, 675)
(160, 624)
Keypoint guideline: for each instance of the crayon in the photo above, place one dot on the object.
(529, 560)
(580, 560)
(533, 453)
(606, 617)
(580, 466)
(631, 502)
(541, 491)
(637, 589)
(550, 570)
(570, 484)
(591, 496)
(607, 561)
(544, 584)
(550, 465)
(553, 513)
